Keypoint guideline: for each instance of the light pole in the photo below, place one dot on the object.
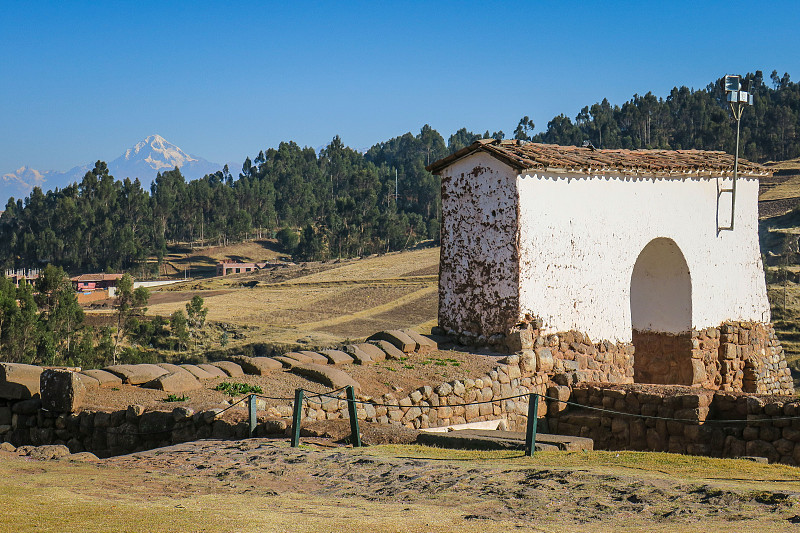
(737, 92)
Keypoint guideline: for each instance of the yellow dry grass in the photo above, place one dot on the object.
(351, 301)
(66, 497)
(58, 497)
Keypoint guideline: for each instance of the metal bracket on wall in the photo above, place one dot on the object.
(732, 192)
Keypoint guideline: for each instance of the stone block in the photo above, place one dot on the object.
(316, 358)
(519, 340)
(337, 357)
(18, 381)
(760, 448)
(299, 357)
(286, 362)
(26, 408)
(174, 382)
(327, 375)
(89, 382)
(257, 366)
(197, 372)
(136, 374)
(698, 372)
(62, 391)
(359, 356)
(391, 351)
(424, 344)
(375, 353)
(105, 379)
(398, 338)
(215, 371)
(230, 368)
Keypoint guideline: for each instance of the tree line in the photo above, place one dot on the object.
(42, 323)
(687, 119)
(340, 202)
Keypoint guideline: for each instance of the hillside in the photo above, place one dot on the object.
(203, 261)
(308, 304)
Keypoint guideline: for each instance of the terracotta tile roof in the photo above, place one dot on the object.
(535, 156)
(97, 277)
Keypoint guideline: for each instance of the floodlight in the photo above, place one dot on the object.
(733, 83)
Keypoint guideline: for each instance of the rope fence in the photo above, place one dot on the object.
(303, 396)
(531, 426)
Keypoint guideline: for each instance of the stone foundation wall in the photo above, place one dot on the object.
(736, 356)
(124, 431)
(741, 356)
(767, 432)
(555, 360)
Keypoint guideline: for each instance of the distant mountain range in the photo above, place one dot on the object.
(144, 160)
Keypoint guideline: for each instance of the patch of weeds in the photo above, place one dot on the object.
(410, 367)
(235, 389)
(452, 360)
(390, 369)
(772, 498)
(425, 362)
(441, 363)
(175, 398)
(404, 358)
(455, 363)
(114, 388)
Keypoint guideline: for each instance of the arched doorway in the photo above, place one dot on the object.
(661, 315)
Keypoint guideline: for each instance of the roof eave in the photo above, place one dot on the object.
(482, 145)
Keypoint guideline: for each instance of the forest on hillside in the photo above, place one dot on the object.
(342, 203)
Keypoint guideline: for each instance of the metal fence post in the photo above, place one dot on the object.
(297, 417)
(253, 418)
(355, 434)
(533, 420)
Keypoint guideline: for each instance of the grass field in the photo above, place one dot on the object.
(322, 305)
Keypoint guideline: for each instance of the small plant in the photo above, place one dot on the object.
(455, 363)
(235, 389)
(390, 369)
(114, 388)
(410, 367)
(223, 341)
(441, 363)
(175, 398)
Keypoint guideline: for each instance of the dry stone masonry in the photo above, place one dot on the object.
(564, 367)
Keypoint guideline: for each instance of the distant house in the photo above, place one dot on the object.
(226, 268)
(91, 287)
(28, 275)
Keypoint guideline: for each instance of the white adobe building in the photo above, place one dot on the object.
(603, 242)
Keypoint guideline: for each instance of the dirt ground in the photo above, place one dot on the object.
(398, 377)
(264, 485)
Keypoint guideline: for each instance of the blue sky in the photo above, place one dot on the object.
(81, 81)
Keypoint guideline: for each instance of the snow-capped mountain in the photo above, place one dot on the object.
(155, 154)
(144, 160)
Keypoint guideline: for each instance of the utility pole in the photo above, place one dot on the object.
(738, 95)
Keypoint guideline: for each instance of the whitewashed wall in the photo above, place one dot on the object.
(580, 237)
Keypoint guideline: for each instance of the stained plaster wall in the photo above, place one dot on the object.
(580, 237)
(478, 280)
